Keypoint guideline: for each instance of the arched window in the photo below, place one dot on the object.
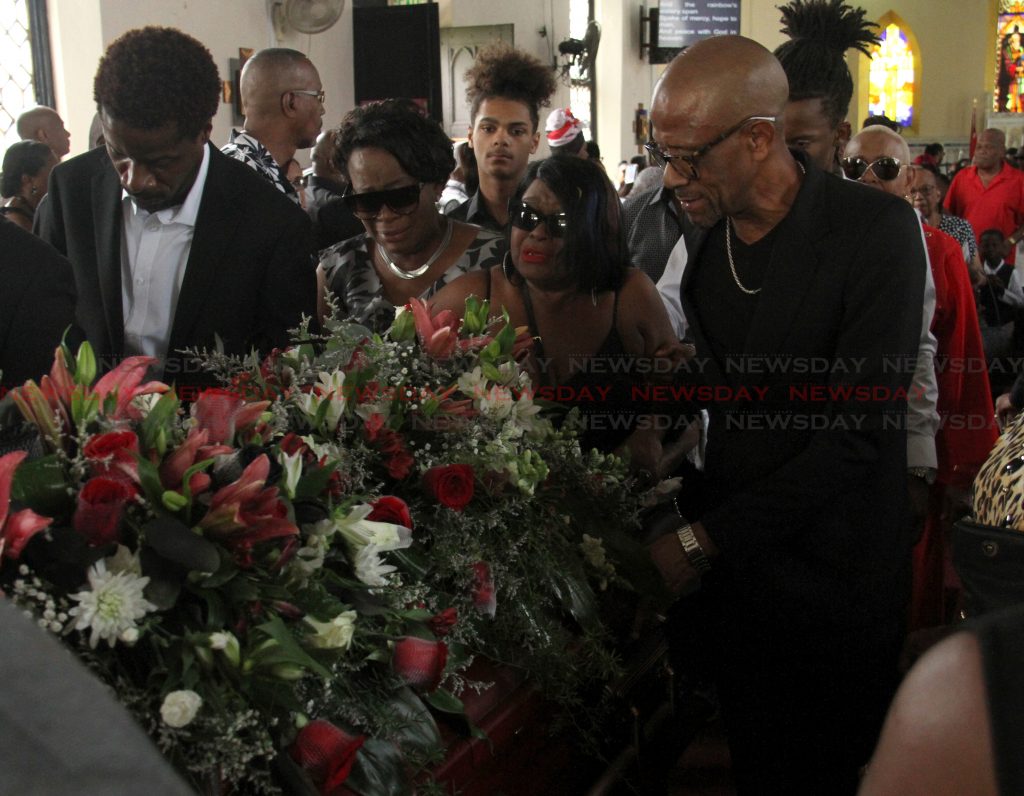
(895, 66)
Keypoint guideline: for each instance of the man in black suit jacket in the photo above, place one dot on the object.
(37, 305)
(212, 254)
(805, 299)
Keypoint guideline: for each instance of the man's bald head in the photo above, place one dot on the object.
(267, 75)
(876, 142)
(280, 89)
(721, 80)
(717, 114)
(991, 149)
(45, 125)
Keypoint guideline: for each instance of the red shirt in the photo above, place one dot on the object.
(998, 206)
(968, 428)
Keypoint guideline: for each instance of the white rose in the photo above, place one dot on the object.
(180, 707)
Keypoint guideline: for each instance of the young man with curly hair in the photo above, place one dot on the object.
(506, 89)
(174, 245)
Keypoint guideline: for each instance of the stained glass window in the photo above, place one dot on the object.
(16, 91)
(891, 78)
(1008, 91)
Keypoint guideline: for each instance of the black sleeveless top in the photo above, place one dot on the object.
(1001, 638)
(600, 385)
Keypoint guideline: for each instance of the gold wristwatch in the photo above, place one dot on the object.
(694, 552)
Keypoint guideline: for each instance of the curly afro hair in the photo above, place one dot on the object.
(501, 71)
(814, 59)
(152, 76)
(399, 127)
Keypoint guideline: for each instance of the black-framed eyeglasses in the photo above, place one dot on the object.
(885, 168)
(402, 201)
(686, 165)
(320, 95)
(524, 217)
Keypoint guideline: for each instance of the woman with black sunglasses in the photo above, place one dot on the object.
(397, 161)
(595, 321)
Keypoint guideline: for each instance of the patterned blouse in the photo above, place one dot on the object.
(962, 232)
(357, 288)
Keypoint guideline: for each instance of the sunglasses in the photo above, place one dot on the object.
(402, 201)
(686, 165)
(526, 218)
(885, 169)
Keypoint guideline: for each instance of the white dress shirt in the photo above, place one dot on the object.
(154, 253)
(1014, 293)
(669, 286)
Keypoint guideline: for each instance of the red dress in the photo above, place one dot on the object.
(968, 427)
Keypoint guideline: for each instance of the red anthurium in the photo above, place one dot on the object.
(391, 509)
(223, 413)
(247, 512)
(442, 623)
(101, 503)
(484, 594)
(420, 662)
(326, 753)
(438, 334)
(451, 484)
(193, 450)
(19, 527)
(114, 455)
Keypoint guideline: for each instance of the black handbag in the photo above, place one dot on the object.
(990, 563)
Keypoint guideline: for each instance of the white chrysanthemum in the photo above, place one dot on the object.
(336, 634)
(180, 707)
(112, 605)
(370, 568)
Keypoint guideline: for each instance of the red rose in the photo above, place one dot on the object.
(484, 594)
(114, 455)
(420, 662)
(391, 509)
(400, 464)
(100, 506)
(327, 754)
(442, 623)
(451, 484)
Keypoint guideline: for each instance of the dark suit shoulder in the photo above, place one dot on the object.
(82, 166)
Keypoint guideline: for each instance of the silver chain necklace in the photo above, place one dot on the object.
(415, 272)
(728, 248)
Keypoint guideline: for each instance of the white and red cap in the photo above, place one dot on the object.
(562, 127)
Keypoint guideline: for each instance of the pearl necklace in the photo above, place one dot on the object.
(416, 272)
(728, 247)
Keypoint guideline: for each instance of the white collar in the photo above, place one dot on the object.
(185, 213)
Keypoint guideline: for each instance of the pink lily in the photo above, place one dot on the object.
(223, 413)
(438, 334)
(17, 529)
(247, 512)
(192, 451)
(125, 382)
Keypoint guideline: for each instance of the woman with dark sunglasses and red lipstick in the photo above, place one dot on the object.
(595, 321)
(397, 161)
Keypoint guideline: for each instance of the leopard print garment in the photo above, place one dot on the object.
(999, 487)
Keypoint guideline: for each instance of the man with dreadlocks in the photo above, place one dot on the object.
(820, 86)
(820, 89)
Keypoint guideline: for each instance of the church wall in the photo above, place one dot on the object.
(956, 38)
